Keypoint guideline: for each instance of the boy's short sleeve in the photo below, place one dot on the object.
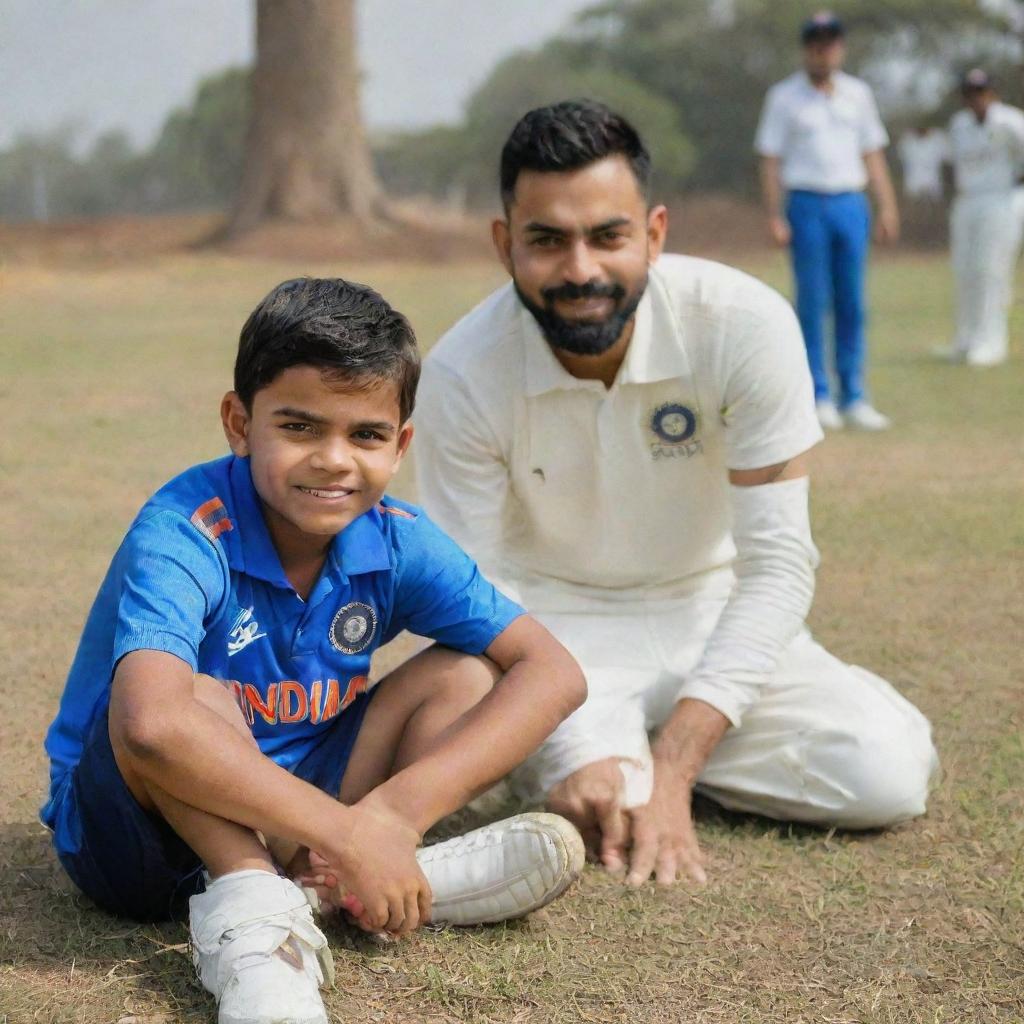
(440, 593)
(170, 580)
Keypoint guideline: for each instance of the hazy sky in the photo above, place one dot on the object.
(102, 64)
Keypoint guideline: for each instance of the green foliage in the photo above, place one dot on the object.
(715, 69)
(42, 178)
(431, 162)
(555, 73)
(464, 160)
(197, 160)
(691, 74)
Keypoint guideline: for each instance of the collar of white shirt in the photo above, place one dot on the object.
(656, 350)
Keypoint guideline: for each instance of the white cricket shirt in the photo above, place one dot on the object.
(557, 484)
(988, 156)
(819, 137)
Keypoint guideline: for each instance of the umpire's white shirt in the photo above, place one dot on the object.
(988, 156)
(821, 137)
(563, 489)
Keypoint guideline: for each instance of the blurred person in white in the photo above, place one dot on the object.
(821, 143)
(923, 151)
(620, 437)
(987, 152)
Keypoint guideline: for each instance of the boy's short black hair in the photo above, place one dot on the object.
(345, 329)
(567, 136)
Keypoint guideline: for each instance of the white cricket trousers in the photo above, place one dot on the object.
(985, 235)
(826, 743)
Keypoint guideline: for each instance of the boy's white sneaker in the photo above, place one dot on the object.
(861, 415)
(256, 948)
(502, 871)
(828, 414)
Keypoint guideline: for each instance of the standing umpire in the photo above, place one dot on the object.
(987, 148)
(821, 140)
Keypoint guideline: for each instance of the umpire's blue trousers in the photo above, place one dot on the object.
(830, 247)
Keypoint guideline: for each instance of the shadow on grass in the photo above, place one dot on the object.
(61, 952)
(64, 952)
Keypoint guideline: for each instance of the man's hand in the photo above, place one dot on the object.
(375, 862)
(658, 837)
(887, 219)
(664, 840)
(887, 224)
(592, 800)
(780, 231)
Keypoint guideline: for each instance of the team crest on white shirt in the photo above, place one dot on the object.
(674, 426)
(353, 628)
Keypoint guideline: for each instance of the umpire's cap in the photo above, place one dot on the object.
(821, 26)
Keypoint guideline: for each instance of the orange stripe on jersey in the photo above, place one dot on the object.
(391, 510)
(207, 507)
(212, 518)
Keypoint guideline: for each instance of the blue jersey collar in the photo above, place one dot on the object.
(361, 547)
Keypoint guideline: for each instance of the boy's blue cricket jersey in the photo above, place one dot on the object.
(198, 576)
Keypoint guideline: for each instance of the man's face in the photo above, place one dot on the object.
(823, 55)
(321, 452)
(978, 100)
(578, 245)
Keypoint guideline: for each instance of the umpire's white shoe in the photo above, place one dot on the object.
(256, 948)
(503, 870)
(985, 357)
(861, 415)
(828, 414)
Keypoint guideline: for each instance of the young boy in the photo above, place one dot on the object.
(217, 723)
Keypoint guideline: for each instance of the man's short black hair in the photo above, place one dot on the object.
(345, 329)
(567, 136)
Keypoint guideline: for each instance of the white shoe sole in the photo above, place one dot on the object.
(522, 864)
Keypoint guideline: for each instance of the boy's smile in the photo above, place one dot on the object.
(321, 453)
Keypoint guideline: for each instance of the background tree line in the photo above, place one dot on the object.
(691, 75)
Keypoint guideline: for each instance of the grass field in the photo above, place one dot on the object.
(110, 381)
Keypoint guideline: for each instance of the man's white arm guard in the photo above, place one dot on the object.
(775, 564)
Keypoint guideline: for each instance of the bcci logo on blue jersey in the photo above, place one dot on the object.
(353, 628)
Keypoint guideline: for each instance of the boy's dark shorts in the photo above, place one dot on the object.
(131, 862)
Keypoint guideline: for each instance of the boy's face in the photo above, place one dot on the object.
(321, 453)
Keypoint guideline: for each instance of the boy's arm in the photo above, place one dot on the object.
(183, 747)
(541, 686)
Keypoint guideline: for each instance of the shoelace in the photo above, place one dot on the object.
(467, 843)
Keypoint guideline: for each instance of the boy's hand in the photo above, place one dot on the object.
(375, 870)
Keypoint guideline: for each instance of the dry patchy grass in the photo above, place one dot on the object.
(110, 383)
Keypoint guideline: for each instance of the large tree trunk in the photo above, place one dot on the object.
(307, 156)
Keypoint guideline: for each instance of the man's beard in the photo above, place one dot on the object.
(583, 338)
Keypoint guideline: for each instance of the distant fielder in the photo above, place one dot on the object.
(987, 148)
(619, 437)
(821, 141)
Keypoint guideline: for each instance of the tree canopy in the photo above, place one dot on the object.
(691, 73)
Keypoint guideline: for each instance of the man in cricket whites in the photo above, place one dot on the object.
(620, 439)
